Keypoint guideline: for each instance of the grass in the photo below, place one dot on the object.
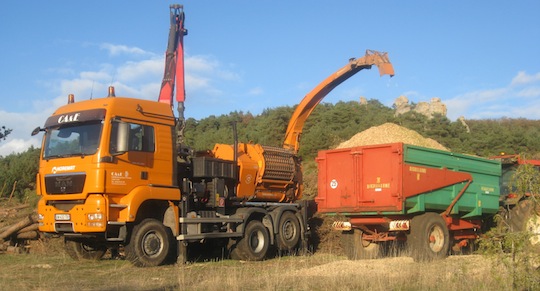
(56, 271)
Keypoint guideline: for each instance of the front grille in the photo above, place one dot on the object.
(71, 183)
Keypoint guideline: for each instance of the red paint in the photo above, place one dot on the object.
(375, 179)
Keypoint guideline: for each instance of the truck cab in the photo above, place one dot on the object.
(99, 156)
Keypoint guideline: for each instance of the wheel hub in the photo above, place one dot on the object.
(257, 241)
(436, 239)
(152, 244)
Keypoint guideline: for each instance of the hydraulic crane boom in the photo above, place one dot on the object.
(310, 101)
(174, 66)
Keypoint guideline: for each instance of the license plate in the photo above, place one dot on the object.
(62, 216)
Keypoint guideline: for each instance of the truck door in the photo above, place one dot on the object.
(133, 145)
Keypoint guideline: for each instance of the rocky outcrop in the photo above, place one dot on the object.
(363, 101)
(429, 109)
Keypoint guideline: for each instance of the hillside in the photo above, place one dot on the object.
(327, 127)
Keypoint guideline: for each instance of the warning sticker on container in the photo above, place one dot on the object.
(333, 184)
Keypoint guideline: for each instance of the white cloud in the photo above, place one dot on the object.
(531, 92)
(137, 71)
(18, 145)
(134, 78)
(510, 101)
(523, 78)
(201, 64)
(116, 49)
(22, 124)
(256, 91)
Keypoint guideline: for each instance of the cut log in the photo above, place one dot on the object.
(18, 207)
(31, 227)
(17, 226)
(33, 234)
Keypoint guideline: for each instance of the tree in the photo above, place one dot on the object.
(4, 132)
(515, 243)
(19, 171)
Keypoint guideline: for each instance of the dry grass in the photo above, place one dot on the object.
(322, 271)
(46, 267)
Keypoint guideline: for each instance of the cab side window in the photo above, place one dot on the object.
(141, 138)
(127, 136)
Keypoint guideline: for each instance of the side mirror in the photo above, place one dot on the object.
(120, 145)
(37, 130)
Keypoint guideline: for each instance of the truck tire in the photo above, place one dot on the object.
(254, 245)
(429, 238)
(288, 232)
(150, 244)
(84, 251)
(357, 248)
(523, 217)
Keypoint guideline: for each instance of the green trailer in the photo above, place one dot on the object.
(391, 194)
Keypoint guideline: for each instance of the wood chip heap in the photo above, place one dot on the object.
(390, 133)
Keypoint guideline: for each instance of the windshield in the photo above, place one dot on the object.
(74, 139)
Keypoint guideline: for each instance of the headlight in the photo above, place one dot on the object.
(95, 216)
(94, 219)
(40, 216)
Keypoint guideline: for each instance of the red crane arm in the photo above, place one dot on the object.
(174, 59)
(310, 101)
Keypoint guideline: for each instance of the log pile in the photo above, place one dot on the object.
(18, 225)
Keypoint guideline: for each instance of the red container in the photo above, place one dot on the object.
(389, 178)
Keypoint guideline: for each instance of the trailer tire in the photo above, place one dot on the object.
(254, 245)
(357, 248)
(78, 250)
(429, 238)
(150, 244)
(288, 232)
(524, 217)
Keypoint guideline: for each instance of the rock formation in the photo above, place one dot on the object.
(429, 109)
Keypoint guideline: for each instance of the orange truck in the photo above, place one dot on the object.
(116, 175)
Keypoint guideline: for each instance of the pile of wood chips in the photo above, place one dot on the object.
(390, 133)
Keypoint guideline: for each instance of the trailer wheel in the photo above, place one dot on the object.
(523, 217)
(357, 248)
(150, 244)
(84, 251)
(254, 245)
(429, 238)
(288, 231)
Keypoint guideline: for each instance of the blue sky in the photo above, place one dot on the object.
(479, 57)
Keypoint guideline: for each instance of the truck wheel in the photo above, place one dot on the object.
(254, 245)
(83, 250)
(288, 232)
(523, 217)
(150, 244)
(357, 248)
(429, 238)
